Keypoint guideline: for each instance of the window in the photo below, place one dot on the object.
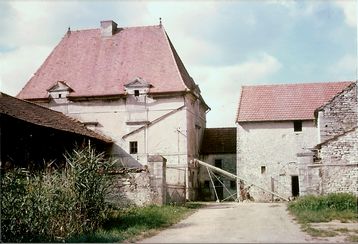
(297, 125)
(59, 95)
(263, 169)
(232, 184)
(218, 163)
(133, 147)
(136, 93)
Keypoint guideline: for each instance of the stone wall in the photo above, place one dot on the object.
(267, 155)
(339, 115)
(340, 156)
(141, 186)
(337, 169)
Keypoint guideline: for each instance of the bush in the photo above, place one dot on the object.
(54, 205)
(340, 206)
(333, 201)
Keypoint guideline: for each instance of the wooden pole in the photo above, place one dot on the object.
(230, 175)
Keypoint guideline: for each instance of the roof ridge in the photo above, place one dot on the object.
(337, 136)
(302, 83)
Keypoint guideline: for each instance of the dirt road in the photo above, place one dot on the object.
(235, 222)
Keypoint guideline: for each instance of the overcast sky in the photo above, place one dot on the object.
(223, 44)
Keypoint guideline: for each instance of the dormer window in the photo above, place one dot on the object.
(59, 91)
(137, 87)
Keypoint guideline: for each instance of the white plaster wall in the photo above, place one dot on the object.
(173, 137)
(274, 145)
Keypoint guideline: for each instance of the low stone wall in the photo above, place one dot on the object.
(139, 186)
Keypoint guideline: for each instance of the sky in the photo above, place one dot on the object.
(223, 44)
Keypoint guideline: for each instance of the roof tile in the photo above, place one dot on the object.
(285, 101)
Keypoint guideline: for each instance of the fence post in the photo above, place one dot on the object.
(157, 170)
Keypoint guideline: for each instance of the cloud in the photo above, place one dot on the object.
(17, 67)
(349, 8)
(220, 86)
(344, 68)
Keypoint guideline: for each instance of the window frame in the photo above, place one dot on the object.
(133, 147)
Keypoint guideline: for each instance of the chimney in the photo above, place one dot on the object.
(108, 28)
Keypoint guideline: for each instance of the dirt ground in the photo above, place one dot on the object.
(238, 222)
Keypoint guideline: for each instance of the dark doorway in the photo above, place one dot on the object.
(295, 185)
(219, 189)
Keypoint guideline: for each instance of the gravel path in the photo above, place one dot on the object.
(234, 223)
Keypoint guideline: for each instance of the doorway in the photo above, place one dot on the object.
(295, 185)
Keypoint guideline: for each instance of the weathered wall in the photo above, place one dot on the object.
(175, 136)
(273, 145)
(228, 164)
(337, 171)
(141, 186)
(339, 115)
(340, 158)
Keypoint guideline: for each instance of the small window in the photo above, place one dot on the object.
(133, 147)
(218, 163)
(297, 125)
(263, 169)
(232, 184)
(136, 93)
(59, 95)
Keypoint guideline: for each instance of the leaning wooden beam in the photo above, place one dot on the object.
(223, 172)
(212, 182)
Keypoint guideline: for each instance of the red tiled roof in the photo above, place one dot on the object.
(219, 140)
(99, 66)
(286, 101)
(38, 115)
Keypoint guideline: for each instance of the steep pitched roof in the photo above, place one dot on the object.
(219, 140)
(285, 101)
(38, 115)
(93, 65)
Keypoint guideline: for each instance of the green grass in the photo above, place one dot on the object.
(315, 209)
(134, 223)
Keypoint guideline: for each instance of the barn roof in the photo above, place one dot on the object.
(285, 101)
(219, 140)
(38, 115)
(96, 65)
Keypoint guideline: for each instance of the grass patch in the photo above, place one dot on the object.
(315, 209)
(352, 238)
(134, 223)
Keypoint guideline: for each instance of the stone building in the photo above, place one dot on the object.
(274, 124)
(332, 166)
(129, 84)
(218, 149)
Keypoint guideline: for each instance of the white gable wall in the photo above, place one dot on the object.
(273, 145)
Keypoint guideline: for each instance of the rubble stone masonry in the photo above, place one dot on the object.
(339, 115)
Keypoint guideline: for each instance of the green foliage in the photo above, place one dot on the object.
(133, 223)
(54, 205)
(335, 206)
(89, 184)
(334, 201)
